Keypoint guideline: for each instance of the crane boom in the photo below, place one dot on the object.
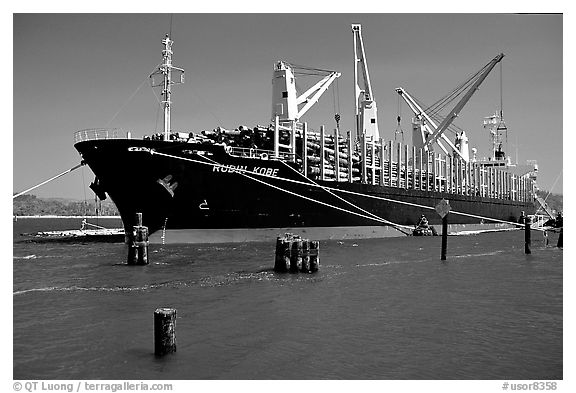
(456, 110)
(430, 126)
(286, 104)
(317, 90)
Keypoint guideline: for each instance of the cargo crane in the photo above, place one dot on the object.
(286, 103)
(364, 104)
(476, 80)
(423, 126)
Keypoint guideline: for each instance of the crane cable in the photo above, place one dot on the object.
(336, 98)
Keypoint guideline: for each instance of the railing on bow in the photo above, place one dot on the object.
(100, 133)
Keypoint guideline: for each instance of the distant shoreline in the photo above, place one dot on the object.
(53, 216)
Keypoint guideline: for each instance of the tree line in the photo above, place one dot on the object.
(31, 205)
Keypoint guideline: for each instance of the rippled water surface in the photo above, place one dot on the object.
(377, 309)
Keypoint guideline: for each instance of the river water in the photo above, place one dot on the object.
(377, 309)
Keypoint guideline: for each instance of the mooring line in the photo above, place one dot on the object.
(239, 171)
(49, 180)
(380, 220)
(327, 189)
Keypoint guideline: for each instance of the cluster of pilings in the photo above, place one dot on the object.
(294, 254)
(138, 243)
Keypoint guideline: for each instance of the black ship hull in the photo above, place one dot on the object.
(196, 193)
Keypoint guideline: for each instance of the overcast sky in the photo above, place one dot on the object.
(77, 71)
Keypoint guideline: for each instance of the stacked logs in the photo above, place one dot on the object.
(313, 148)
(294, 254)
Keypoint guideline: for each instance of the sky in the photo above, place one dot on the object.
(79, 71)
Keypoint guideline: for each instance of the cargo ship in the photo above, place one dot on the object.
(255, 183)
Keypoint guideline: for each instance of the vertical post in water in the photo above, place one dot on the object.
(141, 244)
(164, 331)
(132, 252)
(296, 256)
(527, 223)
(138, 245)
(314, 255)
(280, 264)
(444, 236)
(305, 256)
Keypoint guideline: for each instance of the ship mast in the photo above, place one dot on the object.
(166, 71)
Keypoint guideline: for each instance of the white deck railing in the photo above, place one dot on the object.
(100, 133)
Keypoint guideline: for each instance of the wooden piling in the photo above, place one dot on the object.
(138, 243)
(141, 245)
(444, 236)
(314, 256)
(132, 252)
(296, 256)
(164, 331)
(279, 262)
(527, 239)
(305, 256)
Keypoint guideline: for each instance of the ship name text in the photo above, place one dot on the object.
(244, 168)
